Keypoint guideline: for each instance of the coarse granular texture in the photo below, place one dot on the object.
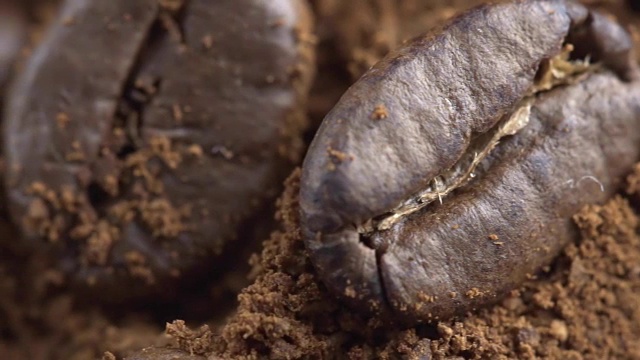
(585, 306)
(39, 321)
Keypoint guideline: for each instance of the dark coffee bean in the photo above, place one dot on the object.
(414, 196)
(143, 133)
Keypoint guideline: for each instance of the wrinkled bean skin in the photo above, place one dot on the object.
(439, 91)
(223, 82)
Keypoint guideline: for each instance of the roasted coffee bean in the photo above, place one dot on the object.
(142, 134)
(448, 174)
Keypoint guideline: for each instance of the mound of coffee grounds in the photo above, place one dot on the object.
(586, 305)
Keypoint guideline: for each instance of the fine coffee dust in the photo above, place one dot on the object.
(584, 306)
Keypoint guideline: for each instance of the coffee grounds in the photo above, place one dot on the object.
(586, 305)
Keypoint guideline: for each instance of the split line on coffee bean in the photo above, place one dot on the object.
(557, 71)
